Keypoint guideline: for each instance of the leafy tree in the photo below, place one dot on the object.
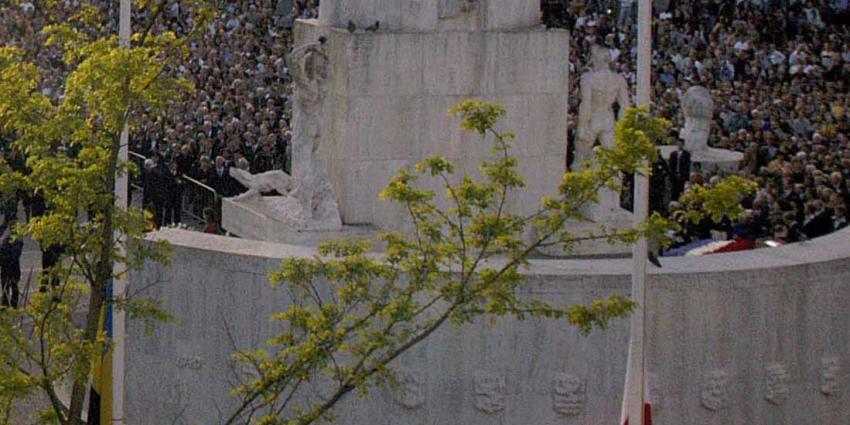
(353, 312)
(65, 152)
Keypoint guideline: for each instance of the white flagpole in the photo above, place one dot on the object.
(635, 369)
(119, 285)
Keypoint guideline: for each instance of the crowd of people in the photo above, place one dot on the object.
(239, 115)
(779, 74)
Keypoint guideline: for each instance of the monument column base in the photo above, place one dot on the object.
(711, 160)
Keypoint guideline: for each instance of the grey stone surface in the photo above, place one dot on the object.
(269, 218)
(431, 15)
(389, 93)
(736, 338)
(711, 159)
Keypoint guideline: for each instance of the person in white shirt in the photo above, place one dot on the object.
(741, 45)
(777, 57)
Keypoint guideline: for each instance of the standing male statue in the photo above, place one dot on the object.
(600, 89)
(309, 67)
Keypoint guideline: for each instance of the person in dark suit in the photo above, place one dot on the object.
(155, 190)
(818, 221)
(219, 177)
(679, 167)
(10, 265)
(173, 195)
(658, 187)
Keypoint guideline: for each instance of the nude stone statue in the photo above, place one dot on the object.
(698, 108)
(257, 184)
(601, 88)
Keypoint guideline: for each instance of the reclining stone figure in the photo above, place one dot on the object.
(258, 184)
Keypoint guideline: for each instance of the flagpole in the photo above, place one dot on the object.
(119, 316)
(636, 365)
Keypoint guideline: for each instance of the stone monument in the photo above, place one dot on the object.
(698, 109)
(388, 89)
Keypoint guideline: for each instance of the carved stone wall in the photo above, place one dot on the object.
(744, 338)
(425, 15)
(390, 92)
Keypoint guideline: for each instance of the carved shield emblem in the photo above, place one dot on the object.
(713, 392)
(410, 391)
(830, 375)
(777, 383)
(568, 394)
(489, 392)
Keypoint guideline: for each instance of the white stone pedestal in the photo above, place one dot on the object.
(258, 222)
(390, 91)
(711, 159)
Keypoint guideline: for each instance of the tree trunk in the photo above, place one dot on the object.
(102, 275)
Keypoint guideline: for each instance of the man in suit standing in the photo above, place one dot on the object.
(679, 166)
(155, 190)
(10, 265)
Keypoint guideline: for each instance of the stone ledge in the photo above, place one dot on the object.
(835, 246)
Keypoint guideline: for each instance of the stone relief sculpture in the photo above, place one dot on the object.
(450, 8)
(569, 394)
(601, 88)
(776, 381)
(714, 393)
(698, 109)
(310, 67)
(307, 200)
(489, 392)
(410, 391)
(830, 376)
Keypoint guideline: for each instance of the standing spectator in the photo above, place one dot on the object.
(155, 190)
(173, 195)
(679, 166)
(10, 265)
(211, 226)
(658, 187)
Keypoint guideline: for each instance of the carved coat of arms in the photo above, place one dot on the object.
(489, 392)
(777, 383)
(714, 393)
(410, 390)
(830, 376)
(568, 394)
